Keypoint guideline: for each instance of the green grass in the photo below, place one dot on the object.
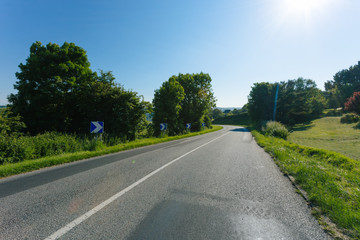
(30, 165)
(330, 179)
(328, 133)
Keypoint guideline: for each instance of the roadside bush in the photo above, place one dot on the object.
(353, 103)
(14, 148)
(275, 129)
(350, 118)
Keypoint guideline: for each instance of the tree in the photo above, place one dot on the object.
(167, 106)
(47, 84)
(105, 100)
(344, 84)
(261, 101)
(298, 101)
(198, 101)
(216, 113)
(353, 103)
(57, 91)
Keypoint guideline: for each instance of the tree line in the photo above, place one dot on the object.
(57, 91)
(299, 100)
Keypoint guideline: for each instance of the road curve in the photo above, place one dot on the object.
(220, 185)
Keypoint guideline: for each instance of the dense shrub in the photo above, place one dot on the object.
(15, 148)
(350, 118)
(353, 103)
(275, 129)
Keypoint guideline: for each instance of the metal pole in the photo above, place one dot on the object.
(276, 97)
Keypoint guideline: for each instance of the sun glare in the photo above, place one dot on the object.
(304, 6)
(303, 11)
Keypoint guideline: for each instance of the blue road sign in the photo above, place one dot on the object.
(96, 127)
(188, 125)
(163, 126)
(203, 124)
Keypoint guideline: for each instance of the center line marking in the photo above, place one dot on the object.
(88, 214)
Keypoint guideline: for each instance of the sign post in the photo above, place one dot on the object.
(163, 126)
(97, 127)
(188, 127)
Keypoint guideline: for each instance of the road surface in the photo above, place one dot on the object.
(220, 185)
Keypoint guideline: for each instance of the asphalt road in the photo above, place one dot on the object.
(221, 185)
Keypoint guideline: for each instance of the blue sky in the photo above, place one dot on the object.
(238, 42)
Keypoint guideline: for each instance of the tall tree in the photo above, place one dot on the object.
(47, 83)
(199, 99)
(167, 106)
(261, 101)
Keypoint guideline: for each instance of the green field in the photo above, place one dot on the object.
(328, 133)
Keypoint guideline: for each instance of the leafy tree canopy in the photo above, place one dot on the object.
(344, 84)
(199, 99)
(47, 83)
(57, 91)
(186, 98)
(167, 106)
(299, 100)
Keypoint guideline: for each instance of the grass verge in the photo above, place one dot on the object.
(31, 165)
(330, 180)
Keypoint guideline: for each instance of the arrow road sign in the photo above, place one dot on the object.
(188, 125)
(163, 126)
(203, 124)
(96, 127)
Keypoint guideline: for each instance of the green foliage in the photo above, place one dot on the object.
(350, 118)
(276, 129)
(331, 180)
(121, 110)
(20, 148)
(57, 91)
(343, 85)
(261, 101)
(10, 124)
(30, 165)
(241, 119)
(353, 103)
(216, 113)
(298, 101)
(48, 85)
(198, 101)
(332, 95)
(167, 106)
(186, 98)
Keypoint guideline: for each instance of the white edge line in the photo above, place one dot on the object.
(88, 214)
